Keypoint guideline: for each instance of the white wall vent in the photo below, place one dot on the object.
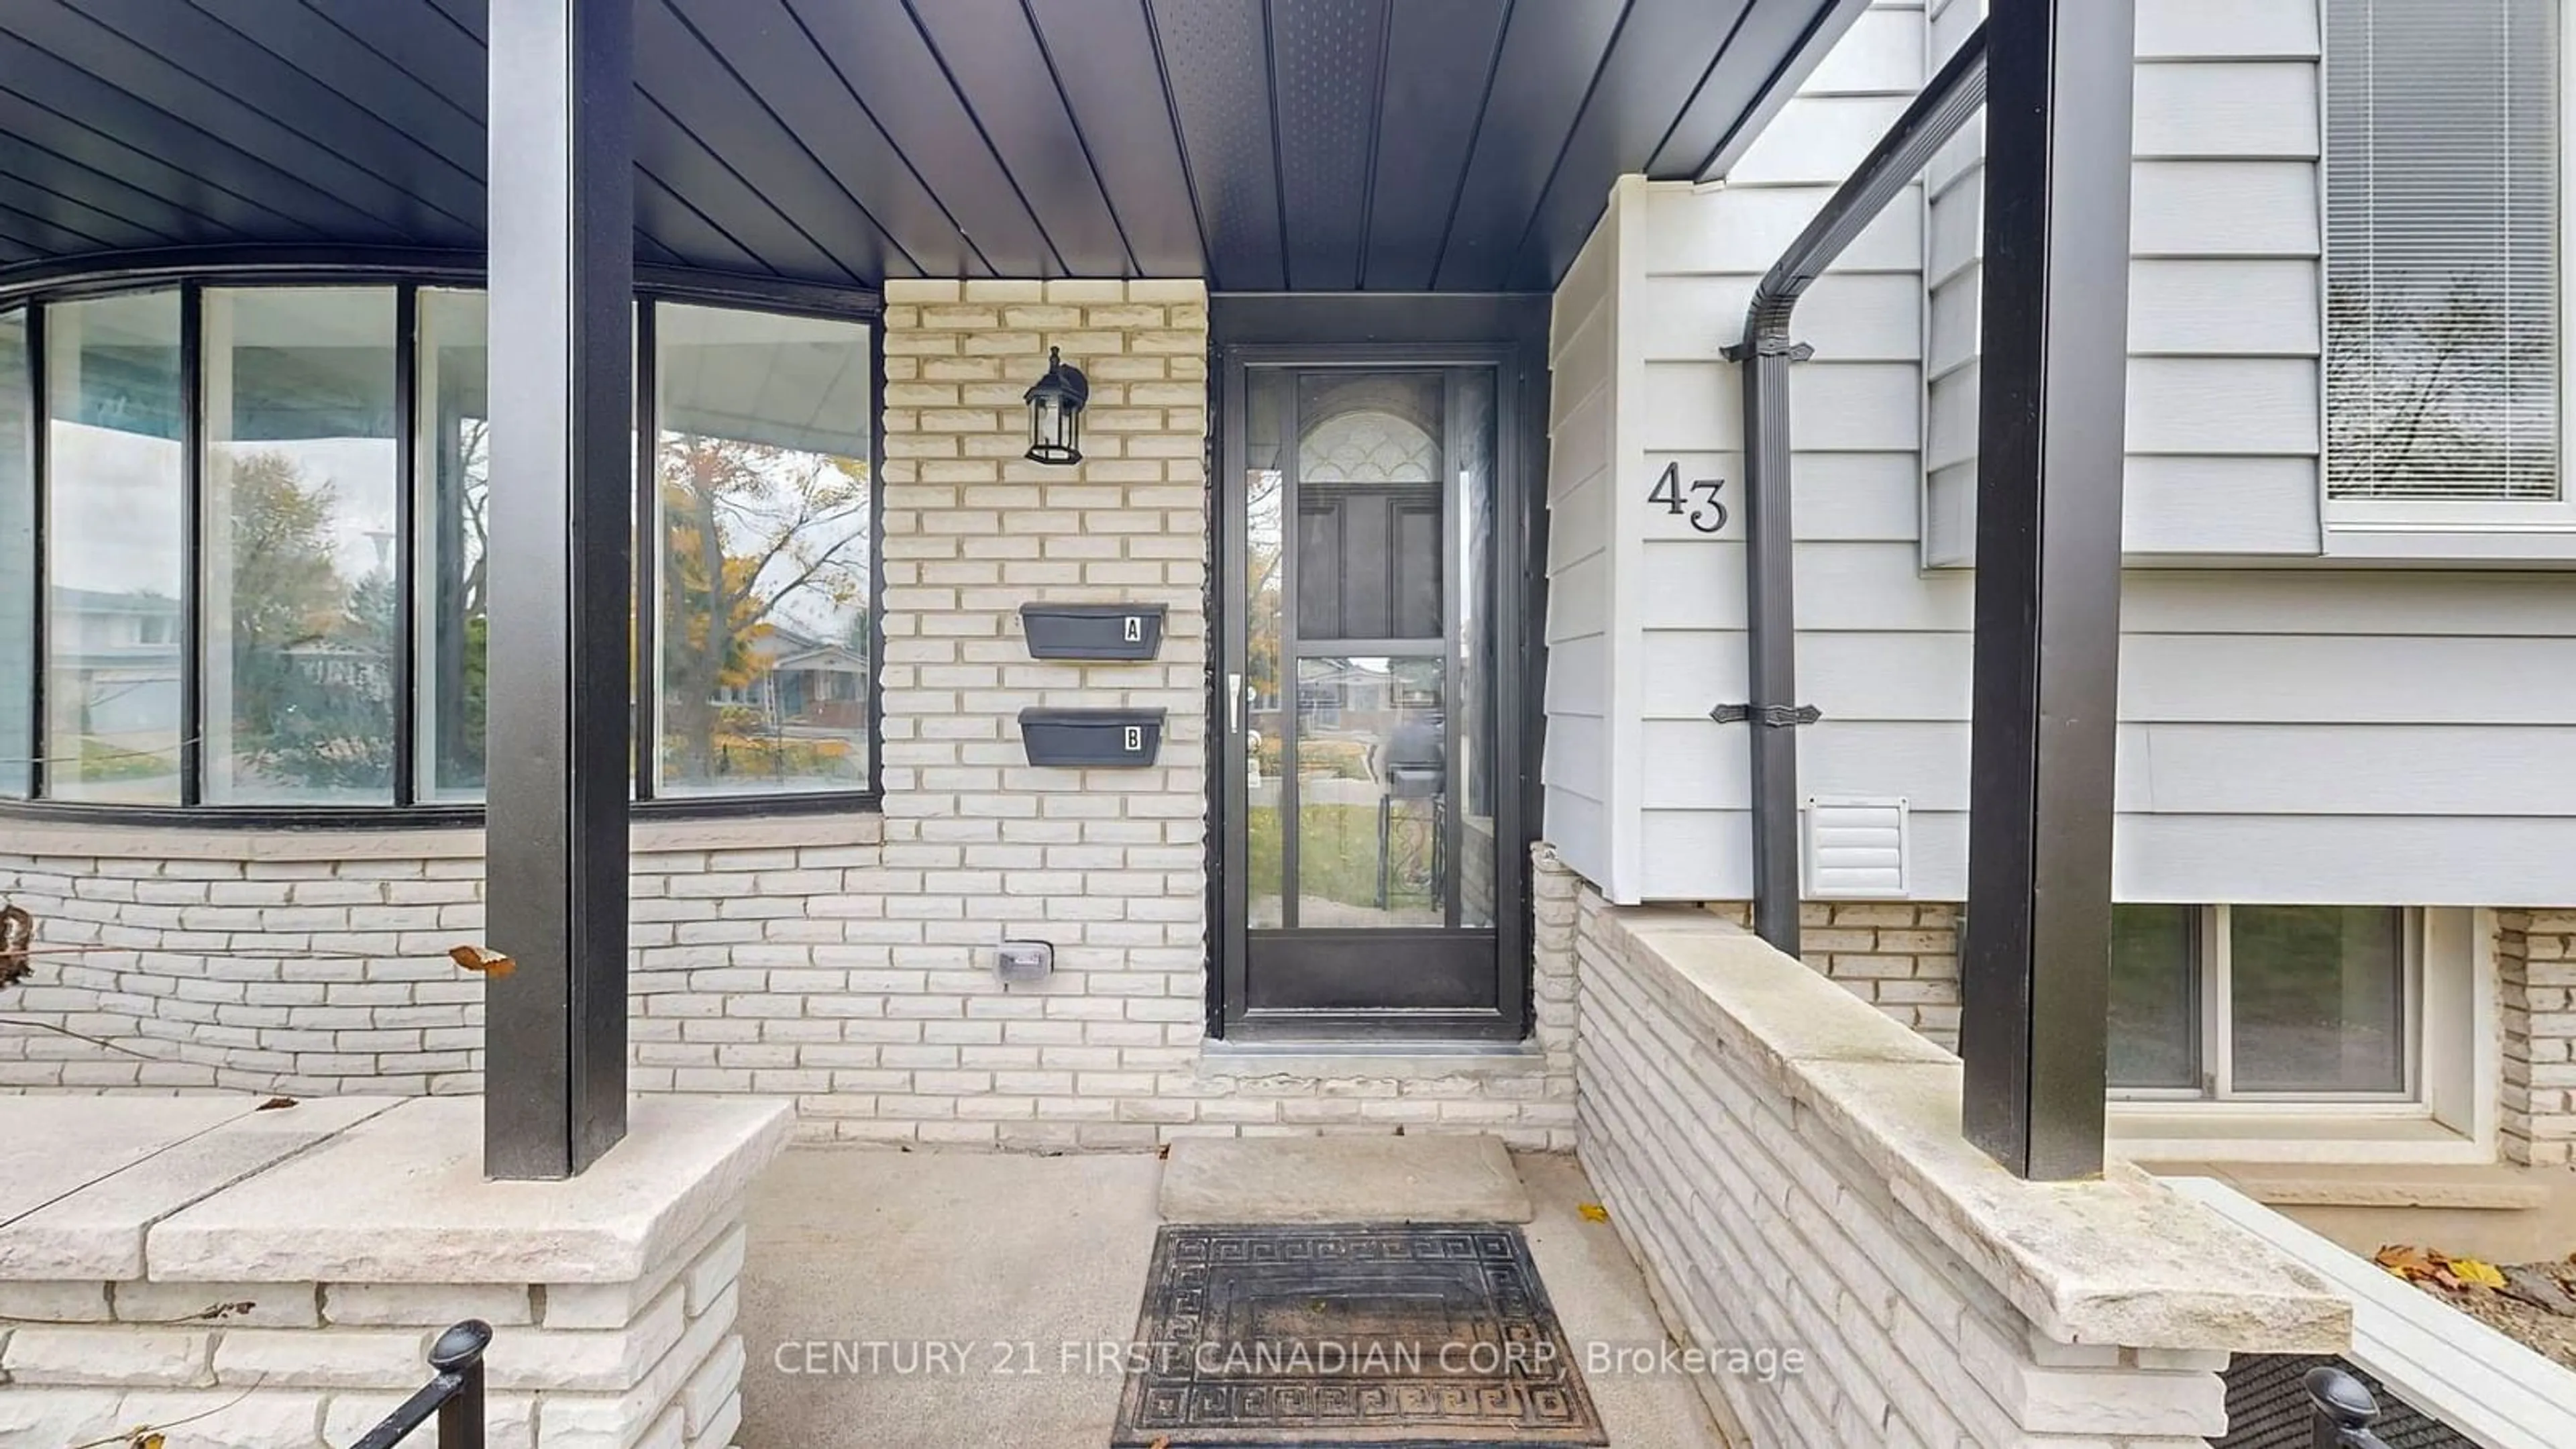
(1854, 847)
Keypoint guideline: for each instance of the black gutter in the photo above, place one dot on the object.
(1936, 115)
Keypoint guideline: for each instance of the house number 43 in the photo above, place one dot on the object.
(1700, 501)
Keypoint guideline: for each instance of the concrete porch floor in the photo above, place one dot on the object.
(1016, 1263)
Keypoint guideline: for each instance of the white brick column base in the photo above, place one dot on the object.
(342, 1265)
(2536, 980)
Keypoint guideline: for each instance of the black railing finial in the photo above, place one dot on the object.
(2344, 1410)
(455, 1395)
(461, 1346)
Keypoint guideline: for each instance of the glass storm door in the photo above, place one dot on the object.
(1362, 791)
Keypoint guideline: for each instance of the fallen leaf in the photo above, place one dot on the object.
(274, 1104)
(1593, 1212)
(490, 963)
(2407, 1261)
(17, 943)
(153, 1440)
(1161, 1441)
(2426, 1265)
(2470, 1270)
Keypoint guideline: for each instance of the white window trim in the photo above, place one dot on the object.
(2419, 526)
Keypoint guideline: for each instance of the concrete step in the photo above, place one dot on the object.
(1442, 1179)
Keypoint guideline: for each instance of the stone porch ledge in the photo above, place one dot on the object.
(275, 1276)
(400, 1197)
(1787, 1164)
(2122, 1261)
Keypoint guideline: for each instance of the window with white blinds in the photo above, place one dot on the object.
(2442, 278)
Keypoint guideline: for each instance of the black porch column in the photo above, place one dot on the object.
(2035, 964)
(557, 723)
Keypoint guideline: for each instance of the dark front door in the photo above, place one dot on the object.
(1368, 762)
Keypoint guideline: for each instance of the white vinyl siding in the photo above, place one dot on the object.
(1583, 356)
(1653, 607)
(2442, 207)
(2225, 419)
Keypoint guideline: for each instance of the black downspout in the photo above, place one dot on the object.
(1771, 666)
(1772, 713)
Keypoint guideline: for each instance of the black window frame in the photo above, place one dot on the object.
(190, 272)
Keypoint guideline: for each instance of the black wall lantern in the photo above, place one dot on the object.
(1055, 412)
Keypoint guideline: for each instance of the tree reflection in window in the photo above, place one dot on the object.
(311, 682)
(765, 495)
(300, 605)
(2442, 262)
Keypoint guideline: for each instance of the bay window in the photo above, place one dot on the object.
(114, 563)
(762, 526)
(17, 556)
(243, 555)
(297, 584)
(454, 468)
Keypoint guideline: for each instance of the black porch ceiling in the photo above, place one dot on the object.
(1307, 145)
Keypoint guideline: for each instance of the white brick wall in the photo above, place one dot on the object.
(2536, 970)
(1899, 956)
(841, 961)
(810, 967)
(1761, 1227)
(305, 1365)
(1107, 864)
(303, 974)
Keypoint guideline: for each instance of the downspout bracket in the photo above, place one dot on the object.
(1767, 345)
(1776, 716)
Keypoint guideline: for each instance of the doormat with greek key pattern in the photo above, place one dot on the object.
(1350, 1335)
